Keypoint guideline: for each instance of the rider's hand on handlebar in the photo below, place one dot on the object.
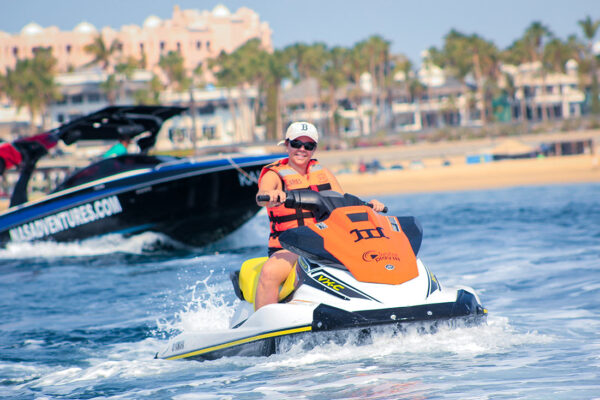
(276, 197)
(377, 205)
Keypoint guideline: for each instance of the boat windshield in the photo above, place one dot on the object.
(112, 166)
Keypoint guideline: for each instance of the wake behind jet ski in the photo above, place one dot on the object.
(195, 201)
(357, 270)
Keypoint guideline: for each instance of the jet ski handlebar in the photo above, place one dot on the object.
(320, 203)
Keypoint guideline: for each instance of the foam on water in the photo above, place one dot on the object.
(207, 310)
(124, 359)
(107, 244)
(497, 336)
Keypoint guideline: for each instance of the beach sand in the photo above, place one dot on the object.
(462, 176)
(434, 177)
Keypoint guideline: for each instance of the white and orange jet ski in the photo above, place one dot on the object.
(357, 270)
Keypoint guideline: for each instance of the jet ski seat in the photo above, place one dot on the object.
(245, 280)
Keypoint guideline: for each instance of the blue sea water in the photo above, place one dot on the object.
(84, 320)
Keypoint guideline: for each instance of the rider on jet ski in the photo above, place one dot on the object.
(298, 171)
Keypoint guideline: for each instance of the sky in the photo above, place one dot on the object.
(410, 26)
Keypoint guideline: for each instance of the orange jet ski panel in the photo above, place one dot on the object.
(372, 246)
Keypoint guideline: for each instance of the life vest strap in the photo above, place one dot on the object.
(299, 216)
(320, 188)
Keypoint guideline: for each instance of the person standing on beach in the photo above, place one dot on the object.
(298, 171)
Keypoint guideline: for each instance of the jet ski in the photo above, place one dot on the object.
(357, 270)
(195, 201)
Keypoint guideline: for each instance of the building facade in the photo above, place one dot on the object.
(196, 34)
(532, 96)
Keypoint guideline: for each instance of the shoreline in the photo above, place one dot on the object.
(458, 177)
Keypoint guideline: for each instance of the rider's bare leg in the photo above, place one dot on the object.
(273, 274)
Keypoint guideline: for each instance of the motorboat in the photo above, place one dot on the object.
(357, 271)
(193, 200)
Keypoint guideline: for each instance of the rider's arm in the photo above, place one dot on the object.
(271, 185)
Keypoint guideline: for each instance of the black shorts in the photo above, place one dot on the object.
(273, 250)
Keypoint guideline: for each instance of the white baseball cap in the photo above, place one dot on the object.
(301, 128)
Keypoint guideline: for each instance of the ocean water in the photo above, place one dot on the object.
(84, 320)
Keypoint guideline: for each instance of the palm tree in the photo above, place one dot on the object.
(554, 59)
(516, 54)
(589, 28)
(510, 90)
(404, 66)
(463, 55)
(416, 89)
(172, 65)
(277, 71)
(102, 54)
(124, 73)
(398, 64)
(110, 87)
(355, 66)
(307, 61)
(225, 69)
(332, 79)
(533, 42)
(401, 66)
(376, 52)
(31, 84)
(253, 69)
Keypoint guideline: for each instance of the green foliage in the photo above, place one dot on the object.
(103, 54)
(110, 87)
(31, 83)
(172, 65)
(589, 28)
(556, 54)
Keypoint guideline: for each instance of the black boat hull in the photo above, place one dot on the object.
(193, 203)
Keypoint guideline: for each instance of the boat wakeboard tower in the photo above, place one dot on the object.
(193, 200)
(357, 270)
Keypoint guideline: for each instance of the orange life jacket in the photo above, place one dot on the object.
(283, 218)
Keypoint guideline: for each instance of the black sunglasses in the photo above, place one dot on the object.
(309, 146)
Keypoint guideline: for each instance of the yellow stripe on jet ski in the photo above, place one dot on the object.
(242, 341)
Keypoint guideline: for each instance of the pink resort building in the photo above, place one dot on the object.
(197, 34)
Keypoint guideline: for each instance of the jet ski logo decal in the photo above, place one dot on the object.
(324, 280)
(372, 255)
(376, 233)
(327, 283)
(68, 219)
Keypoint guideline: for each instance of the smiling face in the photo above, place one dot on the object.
(300, 157)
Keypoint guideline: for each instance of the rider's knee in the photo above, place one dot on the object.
(274, 272)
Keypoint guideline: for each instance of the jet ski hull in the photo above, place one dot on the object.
(380, 284)
(326, 324)
(320, 306)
